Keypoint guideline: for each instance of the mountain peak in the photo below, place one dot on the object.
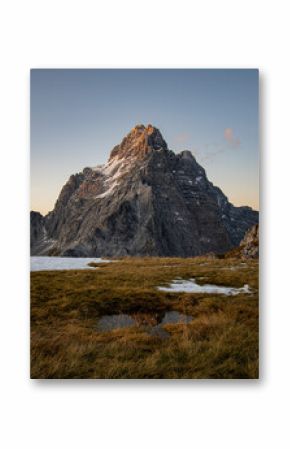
(145, 201)
(139, 141)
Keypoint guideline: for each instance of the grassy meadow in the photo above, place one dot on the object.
(221, 341)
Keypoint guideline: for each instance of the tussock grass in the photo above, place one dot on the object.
(220, 342)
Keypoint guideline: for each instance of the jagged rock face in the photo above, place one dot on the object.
(40, 243)
(139, 142)
(145, 201)
(36, 227)
(249, 246)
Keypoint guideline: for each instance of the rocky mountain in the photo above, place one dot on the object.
(37, 228)
(145, 201)
(249, 246)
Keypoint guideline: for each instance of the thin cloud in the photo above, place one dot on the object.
(212, 150)
(229, 136)
(215, 149)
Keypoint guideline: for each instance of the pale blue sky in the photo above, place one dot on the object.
(78, 116)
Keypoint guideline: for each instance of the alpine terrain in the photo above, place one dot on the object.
(145, 201)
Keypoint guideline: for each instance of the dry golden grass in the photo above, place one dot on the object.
(220, 342)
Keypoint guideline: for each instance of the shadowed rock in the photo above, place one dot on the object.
(146, 200)
(249, 246)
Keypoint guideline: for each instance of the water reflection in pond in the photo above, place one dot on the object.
(151, 323)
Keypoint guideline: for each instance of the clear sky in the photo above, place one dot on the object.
(78, 116)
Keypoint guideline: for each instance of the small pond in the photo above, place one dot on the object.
(151, 323)
(44, 263)
(190, 286)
